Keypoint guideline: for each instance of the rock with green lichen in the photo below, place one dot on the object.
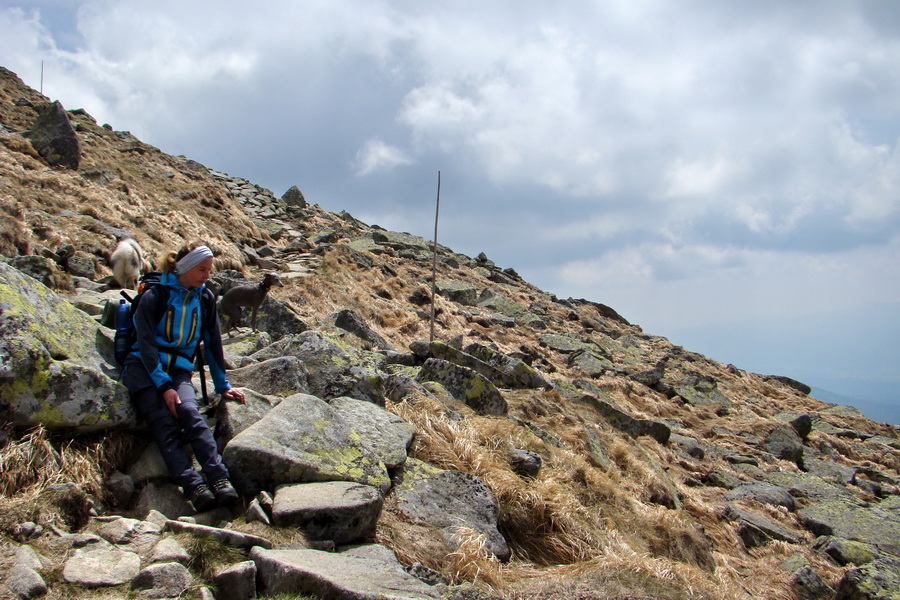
(305, 439)
(52, 371)
(514, 373)
(333, 369)
(465, 385)
(449, 501)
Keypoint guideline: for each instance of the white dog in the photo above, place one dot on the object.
(127, 262)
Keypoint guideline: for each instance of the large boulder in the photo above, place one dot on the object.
(52, 371)
(465, 385)
(54, 138)
(340, 511)
(302, 439)
(333, 369)
(281, 376)
(450, 501)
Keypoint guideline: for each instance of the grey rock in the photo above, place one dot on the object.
(785, 443)
(235, 539)
(340, 511)
(166, 499)
(465, 385)
(121, 488)
(756, 531)
(294, 197)
(162, 580)
(626, 423)
(449, 500)
(877, 524)
(699, 390)
(303, 439)
(514, 372)
(596, 450)
(333, 370)
(54, 138)
(168, 549)
(280, 376)
(461, 292)
(383, 435)
(805, 581)
(237, 582)
(233, 417)
(807, 485)
(44, 338)
(764, 493)
(877, 580)
(25, 582)
(101, 565)
(337, 575)
(255, 512)
(348, 320)
(846, 552)
(688, 445)
(525, 462)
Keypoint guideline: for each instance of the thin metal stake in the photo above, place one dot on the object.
(437, 212)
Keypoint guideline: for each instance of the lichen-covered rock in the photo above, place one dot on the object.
(448, 501)
(516, 373)
(461, 292)
(302, 439)
(281, 376)
(383, 435)
(848, 518)
(755, 530)
(333, 369)
(877, 580)
(51, 371)
(785, 443)
(698, 390)
(626, 423)
(465, 385)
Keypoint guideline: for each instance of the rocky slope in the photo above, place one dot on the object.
(537, 447)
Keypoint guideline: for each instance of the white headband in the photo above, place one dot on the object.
(192, 259)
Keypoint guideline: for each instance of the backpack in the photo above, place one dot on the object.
(126, 335)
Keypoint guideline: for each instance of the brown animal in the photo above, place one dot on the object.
(248, 295)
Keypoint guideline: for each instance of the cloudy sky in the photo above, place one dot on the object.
(723, 173)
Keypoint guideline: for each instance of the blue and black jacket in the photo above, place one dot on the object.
(167, 345)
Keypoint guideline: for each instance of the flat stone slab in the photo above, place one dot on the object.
(338, 576)
(336, 510)
(101, 565)
(226, 536)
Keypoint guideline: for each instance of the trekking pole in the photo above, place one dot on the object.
(202, 373)
(437, 211)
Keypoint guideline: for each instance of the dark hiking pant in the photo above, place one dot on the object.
(171, 434)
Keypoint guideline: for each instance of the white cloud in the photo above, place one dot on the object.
(375, 155)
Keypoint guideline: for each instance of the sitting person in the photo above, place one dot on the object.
(157, 373)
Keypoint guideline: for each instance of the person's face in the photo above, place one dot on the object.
(198, 275)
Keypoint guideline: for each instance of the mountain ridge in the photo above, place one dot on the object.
(658, 434)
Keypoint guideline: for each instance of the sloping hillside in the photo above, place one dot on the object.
(661, 469)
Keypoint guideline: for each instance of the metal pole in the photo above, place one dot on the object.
(437, 212)
(42, 77)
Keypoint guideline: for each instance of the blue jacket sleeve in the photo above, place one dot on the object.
(145, 328)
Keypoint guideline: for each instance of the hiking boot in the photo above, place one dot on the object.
(201, 498)
(226, 495)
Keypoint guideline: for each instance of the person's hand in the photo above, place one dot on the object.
(170, 397)
(234, 394)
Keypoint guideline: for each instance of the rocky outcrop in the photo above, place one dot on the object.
(56, 362)
(54, 138)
